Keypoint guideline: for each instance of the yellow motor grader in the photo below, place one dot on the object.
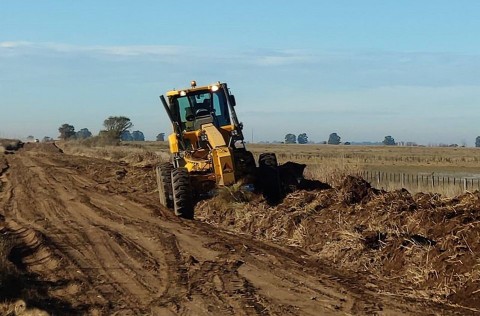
(208, 150)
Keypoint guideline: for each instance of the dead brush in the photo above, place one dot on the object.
(299, 236)
(234, 194)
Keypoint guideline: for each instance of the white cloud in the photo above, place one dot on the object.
(31, 48)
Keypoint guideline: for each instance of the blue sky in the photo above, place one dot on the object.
(363, 69)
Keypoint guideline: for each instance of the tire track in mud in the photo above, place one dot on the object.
(65, 233)
(119, 253)
(76, 235)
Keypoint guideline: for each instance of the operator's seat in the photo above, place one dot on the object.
(203, 114)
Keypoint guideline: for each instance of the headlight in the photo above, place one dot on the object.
(183, 93)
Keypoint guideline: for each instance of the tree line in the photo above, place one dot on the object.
(333, 139)
(116, 128)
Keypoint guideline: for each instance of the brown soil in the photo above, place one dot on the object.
(421, 246)
(90, 238)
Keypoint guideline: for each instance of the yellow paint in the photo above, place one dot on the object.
(223, 166)
(214, 136)
(173, 142)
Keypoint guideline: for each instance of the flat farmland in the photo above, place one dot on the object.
(446, 170)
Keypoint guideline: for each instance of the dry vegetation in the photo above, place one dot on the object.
(133, 153)
(329, 163)
(425, 244)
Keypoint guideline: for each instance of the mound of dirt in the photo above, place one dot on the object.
(10, 144)
(425, 244)
(356, 190)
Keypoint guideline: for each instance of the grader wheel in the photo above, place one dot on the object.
(164, 182)
(182, 193)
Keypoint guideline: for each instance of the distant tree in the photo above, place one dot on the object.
(477, 141)
(290, 139)
(302, 138)
(161, 137)
(138, 136)
(334, 139)
(126, 136)
(84, 133)
(66, 131)
(347, 143)
(47, 139)
(116, 125)
(30, 139)
(389, 141)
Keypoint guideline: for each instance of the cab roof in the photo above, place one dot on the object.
(175, 92)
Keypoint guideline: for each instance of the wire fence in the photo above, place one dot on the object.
(421, 182)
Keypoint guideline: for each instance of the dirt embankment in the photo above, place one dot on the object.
(425, 244)
(90, 238)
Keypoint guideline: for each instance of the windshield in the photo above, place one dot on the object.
(200, 104)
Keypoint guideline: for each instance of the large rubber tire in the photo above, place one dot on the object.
(244, 164)
(182, 193)
(164, 182)
(270, 178)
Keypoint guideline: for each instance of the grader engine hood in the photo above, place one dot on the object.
(219, 154)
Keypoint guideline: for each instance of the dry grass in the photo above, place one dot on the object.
(133, 154)
(329, 163)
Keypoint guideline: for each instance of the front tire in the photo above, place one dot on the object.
(182, 193)
(164, 182)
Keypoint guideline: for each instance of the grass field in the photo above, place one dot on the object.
(329, 163)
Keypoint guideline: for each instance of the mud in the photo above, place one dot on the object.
(90, 238)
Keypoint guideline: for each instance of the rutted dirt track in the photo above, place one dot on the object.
(93, 234)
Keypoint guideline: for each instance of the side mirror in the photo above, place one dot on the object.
(232, 100)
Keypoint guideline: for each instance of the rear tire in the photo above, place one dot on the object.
(182, 193)
(244, 164)
(270, 178)
(164, 182)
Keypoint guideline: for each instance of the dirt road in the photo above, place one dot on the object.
(98, 243)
